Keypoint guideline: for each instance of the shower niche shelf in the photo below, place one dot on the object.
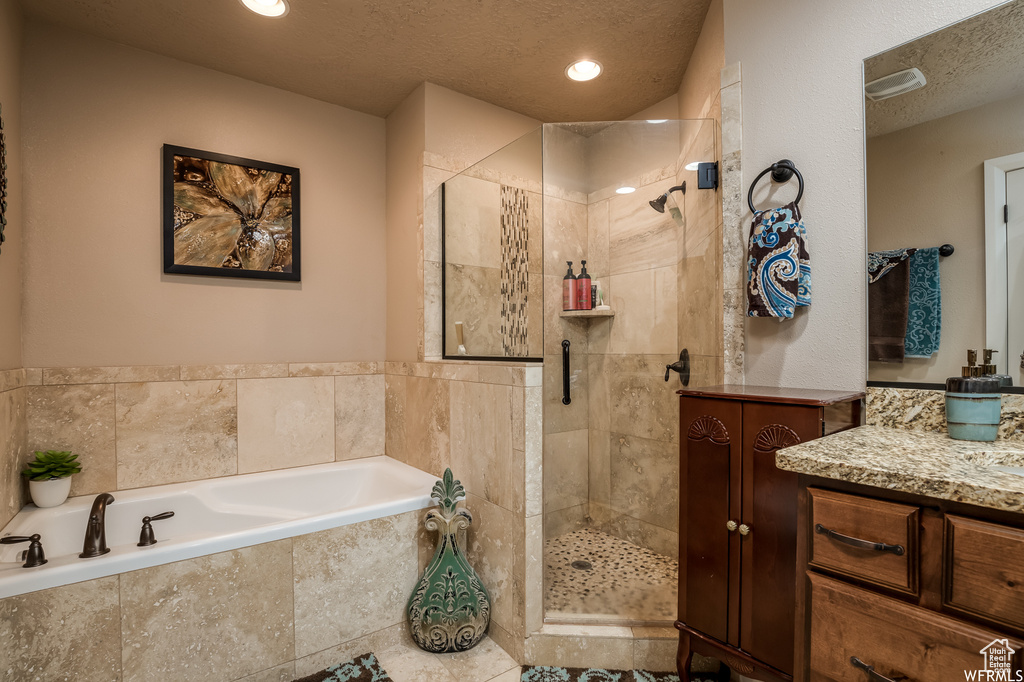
(587, 313)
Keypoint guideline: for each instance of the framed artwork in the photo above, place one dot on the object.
(226, 216)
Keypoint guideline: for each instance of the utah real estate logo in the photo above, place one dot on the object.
(998, 666)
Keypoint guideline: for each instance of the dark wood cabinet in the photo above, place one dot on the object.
(738, 520)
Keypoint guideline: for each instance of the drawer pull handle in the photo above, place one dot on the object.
(870, 670)
(854, 542)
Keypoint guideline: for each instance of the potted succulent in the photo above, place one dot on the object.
(49, 476)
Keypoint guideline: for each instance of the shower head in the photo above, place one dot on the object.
(659, 203)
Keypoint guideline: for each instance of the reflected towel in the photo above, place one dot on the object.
(924, 314)
(778, 266)
(888, 301)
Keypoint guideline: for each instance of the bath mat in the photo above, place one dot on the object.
(360, 669)
(548, 673)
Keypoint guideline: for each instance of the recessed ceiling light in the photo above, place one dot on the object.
(583, 70)
(268, 8)
(692, 166)
(656, 120)
(625, 190)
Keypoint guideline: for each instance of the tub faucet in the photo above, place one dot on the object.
(95, 529)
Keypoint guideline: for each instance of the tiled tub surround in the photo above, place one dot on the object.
(918, 462)
(210, 516)
(925, 410)
(142, 426)
(13, 489)
(274, 611)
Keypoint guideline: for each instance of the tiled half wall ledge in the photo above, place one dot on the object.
(152, 425)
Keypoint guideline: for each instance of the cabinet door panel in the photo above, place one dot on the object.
(710, 440)
(768, 550)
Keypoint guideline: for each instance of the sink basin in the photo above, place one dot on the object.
(1007, 462)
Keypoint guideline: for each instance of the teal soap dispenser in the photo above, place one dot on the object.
(973, 403)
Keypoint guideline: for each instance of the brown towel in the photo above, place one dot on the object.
(888, 304)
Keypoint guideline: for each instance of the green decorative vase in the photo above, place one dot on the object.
(449, 610)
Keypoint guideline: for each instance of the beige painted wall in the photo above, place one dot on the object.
(11, 251)
(926, 187)
(699, 91)
(808, 107)
(97, 114)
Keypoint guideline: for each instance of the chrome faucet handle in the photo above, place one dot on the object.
(146, 537)
(34, 556)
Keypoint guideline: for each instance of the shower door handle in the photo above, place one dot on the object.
(565, 372)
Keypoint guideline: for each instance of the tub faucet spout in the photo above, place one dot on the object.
(95, 529)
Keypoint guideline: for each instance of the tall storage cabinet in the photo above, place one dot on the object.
(737, 520)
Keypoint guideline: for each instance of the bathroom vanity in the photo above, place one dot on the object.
(910, 552)
(738, 520)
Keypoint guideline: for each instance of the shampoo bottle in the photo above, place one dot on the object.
(569, 294)
(583, 288)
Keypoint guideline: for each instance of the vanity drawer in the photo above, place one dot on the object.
(985, 570)
(901, 641)
(864, 538)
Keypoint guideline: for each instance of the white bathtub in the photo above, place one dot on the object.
(213, 515)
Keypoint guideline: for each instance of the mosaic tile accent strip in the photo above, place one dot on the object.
(623, 580)
(514, 270)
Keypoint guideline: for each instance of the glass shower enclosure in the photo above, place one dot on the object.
(590, 191)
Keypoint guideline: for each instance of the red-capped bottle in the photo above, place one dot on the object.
(570, 296)
(583, 288)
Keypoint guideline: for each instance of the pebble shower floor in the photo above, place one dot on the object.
(625, 583)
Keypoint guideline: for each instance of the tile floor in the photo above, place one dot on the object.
(624, 584)
(486, 662)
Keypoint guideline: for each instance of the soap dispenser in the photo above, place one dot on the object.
(583, 288)
(988, 369)
(569, 294)
(973, 403)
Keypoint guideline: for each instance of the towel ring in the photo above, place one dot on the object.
(781, 171)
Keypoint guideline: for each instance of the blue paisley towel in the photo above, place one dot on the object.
(924, 316)
(778, 266)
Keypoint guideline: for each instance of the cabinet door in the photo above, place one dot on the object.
(768, 549)
(710, 446)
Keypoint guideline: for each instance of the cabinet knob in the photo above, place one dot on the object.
(731, 525)
(744, 529)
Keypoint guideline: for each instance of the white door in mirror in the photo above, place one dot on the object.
(1015, 276)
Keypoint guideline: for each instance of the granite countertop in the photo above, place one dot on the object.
(922, 463)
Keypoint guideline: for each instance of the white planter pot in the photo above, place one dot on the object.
(50, 493)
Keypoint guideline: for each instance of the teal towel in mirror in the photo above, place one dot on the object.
(924, 315)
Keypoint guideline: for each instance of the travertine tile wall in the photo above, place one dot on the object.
(734, 231)
(143, 426)
(483, 420)
(13, 489)
(274, 611)
(475, 261)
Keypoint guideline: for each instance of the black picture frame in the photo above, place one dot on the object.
(289, 273)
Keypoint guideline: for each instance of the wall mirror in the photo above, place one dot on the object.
(942, 161)
(492, 256)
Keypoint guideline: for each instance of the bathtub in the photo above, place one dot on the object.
(210, 516)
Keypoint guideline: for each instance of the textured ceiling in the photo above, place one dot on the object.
(369, 55)
(975, 62)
